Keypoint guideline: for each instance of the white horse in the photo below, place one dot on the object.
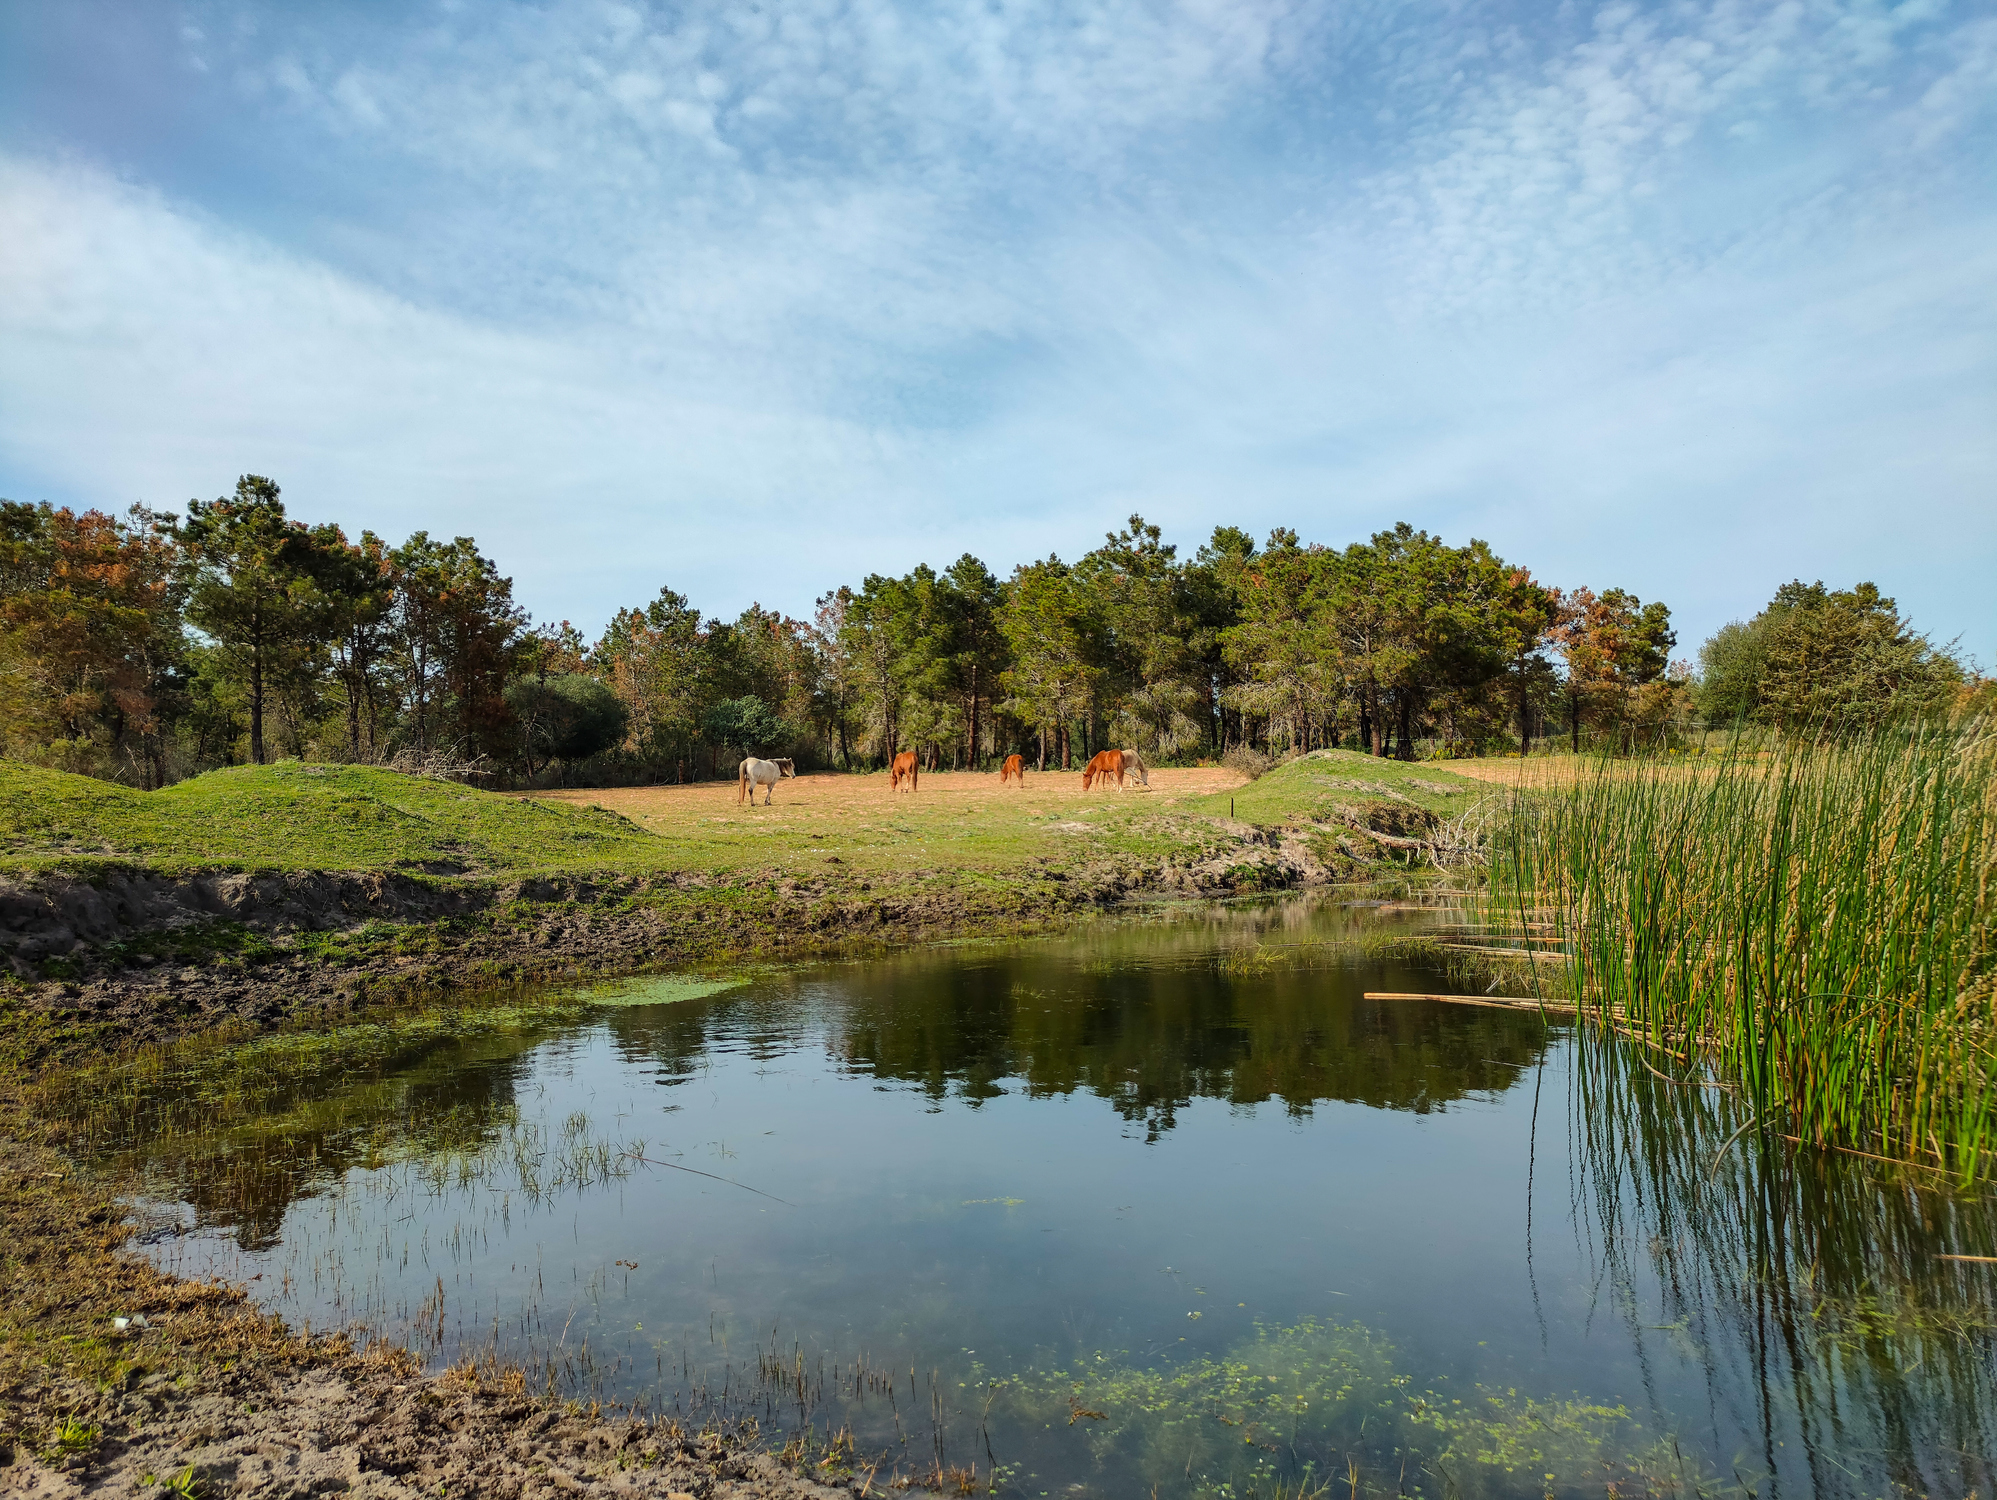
(1134, 767)
(755, 773)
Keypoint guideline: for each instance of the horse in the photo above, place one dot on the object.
(1133, 763)
(1015, 766)
(1105, 764)
(765, 773)
(904, 765)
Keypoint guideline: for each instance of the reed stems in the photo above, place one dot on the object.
(1820, 920)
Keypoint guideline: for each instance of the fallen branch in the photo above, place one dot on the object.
(1496, 1002)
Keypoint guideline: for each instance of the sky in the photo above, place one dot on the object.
(752, 300)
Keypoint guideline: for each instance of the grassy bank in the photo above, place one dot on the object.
(293, 816)
(261, 896)
(1821, 922)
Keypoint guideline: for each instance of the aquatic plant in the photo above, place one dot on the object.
(1294, 1408)
(1842, 1313)
(1819, 920)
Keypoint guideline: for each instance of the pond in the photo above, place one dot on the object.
(1160, 1206)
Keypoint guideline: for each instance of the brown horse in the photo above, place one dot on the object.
(1107, 763)
(904, 765)
(1015, 766)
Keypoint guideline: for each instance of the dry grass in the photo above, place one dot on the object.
(830, 797)
(955, 820)
(1553, 773)
(1537, 772)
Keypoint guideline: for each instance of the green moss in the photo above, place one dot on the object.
(189, 945)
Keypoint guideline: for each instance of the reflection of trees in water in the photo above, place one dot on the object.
(1840, 1354)
(245, 1171)
(1146, 1016)
(1152, 1040)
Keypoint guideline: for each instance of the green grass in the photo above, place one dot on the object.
(938, 831)
(1326, 782)
(1821, 922)
(841, 832)
(294, 816)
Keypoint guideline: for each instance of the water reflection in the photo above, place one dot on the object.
(235, 1139)
(1176, 1172)
(1148, 1017)
(1815, 1294)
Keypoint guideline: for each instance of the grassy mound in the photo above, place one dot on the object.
(1331, 780)
(295, 816)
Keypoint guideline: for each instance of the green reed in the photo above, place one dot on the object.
(1819, 920)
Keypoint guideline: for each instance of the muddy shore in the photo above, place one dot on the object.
(128, 957)
(202, 1394)
(210, 1389)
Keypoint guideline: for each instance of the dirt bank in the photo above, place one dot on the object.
(202, 1390)
(137, 957)
(363, 1433)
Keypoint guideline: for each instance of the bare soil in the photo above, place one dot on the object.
(661, 807)
(1534, 771)
(1553, 772)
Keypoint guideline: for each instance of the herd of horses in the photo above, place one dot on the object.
(1101, 767)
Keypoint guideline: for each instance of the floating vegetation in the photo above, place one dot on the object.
(1294, 1408)
(665, 989)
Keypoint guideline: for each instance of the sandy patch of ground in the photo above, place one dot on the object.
(344, 1431)
(834, 795)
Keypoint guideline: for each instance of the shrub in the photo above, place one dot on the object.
(568, 718)
(1247, 761)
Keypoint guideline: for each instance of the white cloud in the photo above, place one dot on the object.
(752, 302)
(1658, 140)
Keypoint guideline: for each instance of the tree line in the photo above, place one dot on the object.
(149, 646)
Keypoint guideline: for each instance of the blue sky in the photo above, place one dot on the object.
(752, 300)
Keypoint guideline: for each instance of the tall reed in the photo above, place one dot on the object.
(1819, 919)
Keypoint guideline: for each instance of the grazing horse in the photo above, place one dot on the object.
(1015, 767)
(903, 766)
(1133, 765)
(765, 773)
(1106, 763)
